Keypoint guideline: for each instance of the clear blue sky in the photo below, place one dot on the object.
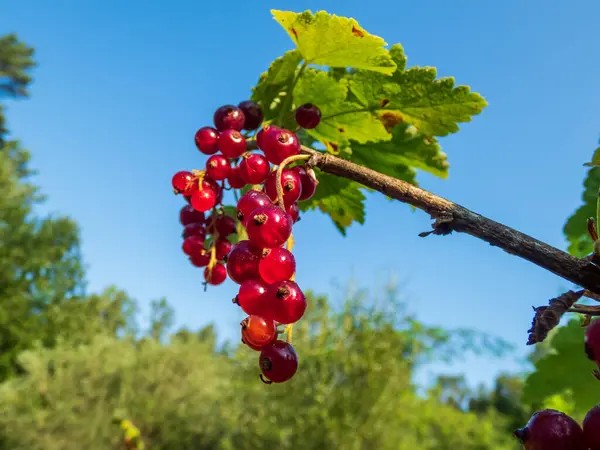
(122, 86)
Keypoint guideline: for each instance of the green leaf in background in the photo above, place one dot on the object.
(317, 87)
(408, 149)
(565, 369)
(329, 40)
(340, 198)
(274, 83)
(414, 96)
(575, 230)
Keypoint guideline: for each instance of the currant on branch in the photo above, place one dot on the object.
(269, 226)
(216, 275)
(262, 132)
(551, 430)
(206, 140)
(308, 116)
(235, 179)
(254, 168)
(242, 262)
(287, 300)
(194, 229)
(250, 201)
(258, 331)
(591, 428)
(225, 225)
(277, 264)
(229, 117)
(252, 113)
(188, 215)
(181, 181)
(231, 143)
(279, 144)
(217, 167)
(294, 211)
(308, 181)
(592, 341)
(278, 361)
(192, 245)
(222, 248)
(200, 259)
(251, 297)
(204, 199)
(290, 183)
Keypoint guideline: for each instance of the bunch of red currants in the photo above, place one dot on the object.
(273, 180)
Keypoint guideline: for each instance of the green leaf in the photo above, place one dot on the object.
(575, 229)
(565, 369)
(414, 96)
(273, 84)
(329, 40)
(319, 88)
(595, 160)
(340, 198)
(408, 149)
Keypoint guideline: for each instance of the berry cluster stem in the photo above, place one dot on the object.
(278, 184)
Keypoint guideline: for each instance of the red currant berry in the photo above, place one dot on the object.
(249, 202)
(278, 361)
(269, 227)
(262, 132)
(217, 275)
(229, 117)
(225, 225)
(308, 116)
(591, 428)
(231, 143)
(242, 262)
(235, 179)
(205, 199)
(253, 114)
(181, 181)
(279, 145)
(222, 248)
(251, 297)
(294, 211)
(277, 265)
(194, 229)
(290, 182)
(308, 180)
(200, 259)
(592, 341)
(254, 169)
(287, 300)
(217, 167)
(551, 429)
(189, 215)
(192, 245)
(258, 331)
(206, 140)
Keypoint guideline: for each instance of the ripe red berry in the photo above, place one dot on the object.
(200, 259)
(254, 169)
(592, 341)
(287, 301)
(263, 132)
(258, 331)
(294, 211)
(591, 428)
(253, 114)
(192, 245)
(222, 248)
(217, 275)
(229, 117)
(194, 229)
(308, 180)
(308, 116)
(181, 181)
(188, 215)
(205, 199)
(278, 264)
(269, 226)
(251, 297)
(290, 182)
(217, 167)
(242, 262)
(225, 225)
(235, 179)
(249, 202)
(280, 144)
(551, 430)
(231, 143)
(278, 361)
(206, 140)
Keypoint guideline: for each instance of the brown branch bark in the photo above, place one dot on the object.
(449, 216)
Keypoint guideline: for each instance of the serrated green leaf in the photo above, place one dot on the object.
(273, 84)
(416, 97)
(406, 150)
(339, 198)
(565, 369)
(334, 41)
(575, 229)
(319, 88)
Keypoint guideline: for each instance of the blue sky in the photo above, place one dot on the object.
(122, 86)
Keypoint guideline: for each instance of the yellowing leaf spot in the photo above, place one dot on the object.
(384, 102)
(357, 32)
(390, 119)
(294, 32)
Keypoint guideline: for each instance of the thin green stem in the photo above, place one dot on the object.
(287, 104)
